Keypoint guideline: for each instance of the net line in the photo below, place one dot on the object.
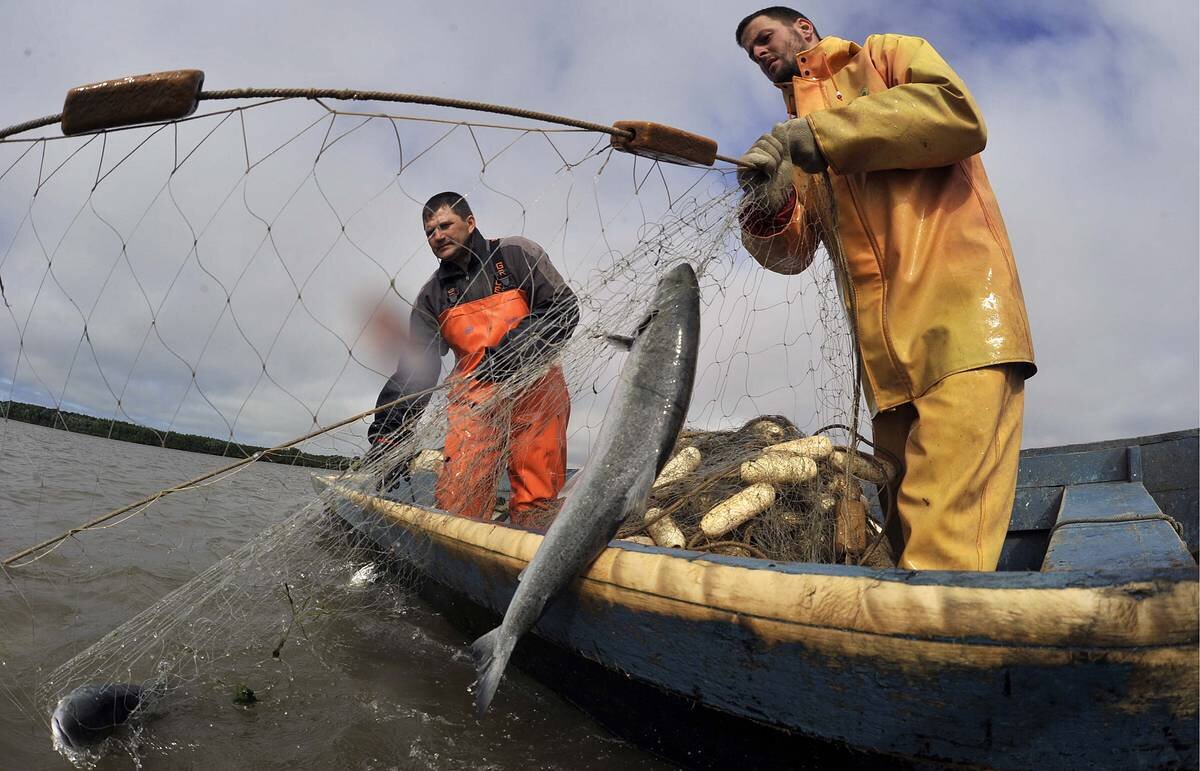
(231, 245)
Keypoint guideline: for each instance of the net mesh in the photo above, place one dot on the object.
(248, 274)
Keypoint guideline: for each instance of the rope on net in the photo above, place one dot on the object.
(346, 94)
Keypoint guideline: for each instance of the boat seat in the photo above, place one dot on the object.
(1113, 526)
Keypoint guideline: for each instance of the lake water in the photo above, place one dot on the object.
(385, 686)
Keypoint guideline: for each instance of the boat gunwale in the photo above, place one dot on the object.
(1110, 444)
(1126, 610)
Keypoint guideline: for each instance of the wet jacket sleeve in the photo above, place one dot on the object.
(418, 369)
(783, 241)
(553, 309)
(924, 119)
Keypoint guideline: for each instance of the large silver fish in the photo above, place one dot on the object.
(639, 431)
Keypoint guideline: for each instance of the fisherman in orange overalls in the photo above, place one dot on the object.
(504, 311)
(932, 286)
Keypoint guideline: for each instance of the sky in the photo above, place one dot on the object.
(1091, 108)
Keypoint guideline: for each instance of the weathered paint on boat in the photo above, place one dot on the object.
(1166, 465)
(1071, 668)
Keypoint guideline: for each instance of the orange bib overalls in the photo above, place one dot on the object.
(532, 427)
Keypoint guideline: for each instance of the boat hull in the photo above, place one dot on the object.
(1006, 670)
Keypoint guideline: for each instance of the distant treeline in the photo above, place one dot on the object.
(131, 432)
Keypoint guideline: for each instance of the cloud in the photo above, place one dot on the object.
(1092, 152)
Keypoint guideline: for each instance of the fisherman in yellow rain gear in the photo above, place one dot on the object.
(943, 336)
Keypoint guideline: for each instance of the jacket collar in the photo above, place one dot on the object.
(820, 62)
(477, 251)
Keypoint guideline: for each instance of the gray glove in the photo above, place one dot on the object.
(796, 135)
(765, 173)
(390, 470)
(497, 366)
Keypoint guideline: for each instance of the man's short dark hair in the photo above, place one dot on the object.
(776, 12)
(457, 203)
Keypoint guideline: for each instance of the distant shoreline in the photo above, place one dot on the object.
(122, 431)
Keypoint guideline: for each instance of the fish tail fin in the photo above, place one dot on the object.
(491, 653)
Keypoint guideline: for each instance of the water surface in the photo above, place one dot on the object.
(384, 685)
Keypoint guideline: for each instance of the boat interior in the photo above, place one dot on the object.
(1113, 505)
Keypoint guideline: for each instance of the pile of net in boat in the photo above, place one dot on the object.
(767, 491)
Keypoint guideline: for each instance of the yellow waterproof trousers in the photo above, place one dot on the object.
(959, 444)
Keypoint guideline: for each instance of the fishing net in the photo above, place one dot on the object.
(248, 273)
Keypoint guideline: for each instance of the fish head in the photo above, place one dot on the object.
(681, 278)
(675, 308)
(667, 342)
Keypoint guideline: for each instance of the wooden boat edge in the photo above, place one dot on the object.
(1159, 608)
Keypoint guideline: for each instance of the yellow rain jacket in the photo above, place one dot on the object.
(931, 270)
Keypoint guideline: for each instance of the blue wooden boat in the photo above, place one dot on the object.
(1080, 652)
